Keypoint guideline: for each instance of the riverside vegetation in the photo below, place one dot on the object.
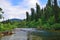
(47, 18)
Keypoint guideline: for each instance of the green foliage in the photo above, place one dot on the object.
(0, 16)
(51, 20)
(32, 14)
(49, 3)
(56, 26)
(46, 26)
(38, 11)
(7, 26)
(45, 18)
(22, 24)
(32, 24)
(39, 22)
(1, 13)
(0, 9)
(56, 9)
(27, 15)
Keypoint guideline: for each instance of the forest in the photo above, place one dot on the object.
(47, 18)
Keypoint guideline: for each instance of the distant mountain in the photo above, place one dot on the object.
(12, 20)
(15, 19)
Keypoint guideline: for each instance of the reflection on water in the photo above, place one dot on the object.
(46, 35)
(32, 34)
(45, 38)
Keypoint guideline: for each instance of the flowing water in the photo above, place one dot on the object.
(32, 34)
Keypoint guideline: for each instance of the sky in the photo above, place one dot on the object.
(18, 8)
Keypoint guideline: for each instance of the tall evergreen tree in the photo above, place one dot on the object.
(55, 3)
(32, 14)
(49, 3)
(1, 12)
(56, 10)
(42, 15)
(27, 16)
(38, 11)
(0, 9)
(48, 10)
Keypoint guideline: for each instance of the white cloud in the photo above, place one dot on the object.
(17, 11)
(11, 11)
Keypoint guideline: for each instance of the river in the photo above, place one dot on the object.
(32, 34)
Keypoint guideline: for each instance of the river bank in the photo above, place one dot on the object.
(31, 33)
(6, 33)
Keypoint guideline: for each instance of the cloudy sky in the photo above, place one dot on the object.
(18, 8)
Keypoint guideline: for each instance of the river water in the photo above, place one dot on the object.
(32, 34)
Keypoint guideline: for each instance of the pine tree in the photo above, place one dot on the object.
(1, 12)
(27, 16)
(38, 11)
(32, 14)
(55, 3)
(0, 9)
(56, 10)
(48, 10)
(49, 3)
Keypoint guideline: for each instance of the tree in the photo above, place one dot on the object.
(55, 8)
(32, 14)
(48, 11)
(38, 11)
(49, 3)
(27, 16)
(59, 3)
(42, 15)
(1, 12)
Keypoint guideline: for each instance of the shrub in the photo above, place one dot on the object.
(56, 26)
(51, 20)
(46, 26)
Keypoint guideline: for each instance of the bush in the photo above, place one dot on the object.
(46, 26)
(56, 26)
(7, 26)
(51, 20)
(31, 24)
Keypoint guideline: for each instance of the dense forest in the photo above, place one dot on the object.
(47, 18)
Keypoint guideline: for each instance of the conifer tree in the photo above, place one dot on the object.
(48, 10)
(27, 16)
(49, 3)
(0, 13)
(56, 10)
(32, 14)
(38, 11)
